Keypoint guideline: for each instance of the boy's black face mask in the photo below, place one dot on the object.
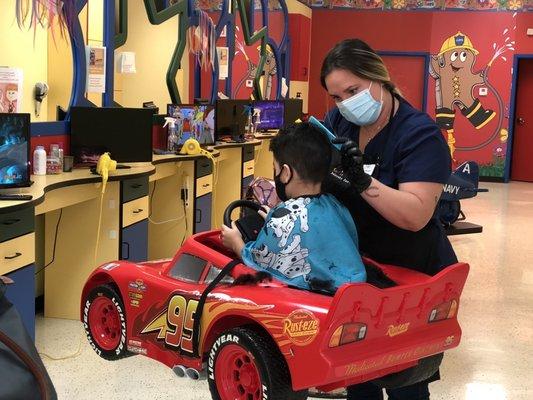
(280, 186)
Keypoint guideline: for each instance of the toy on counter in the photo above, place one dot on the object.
(208, 316)
(463, 184)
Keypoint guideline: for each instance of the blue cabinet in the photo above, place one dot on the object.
(134, 242)
(202, 213)
(22, 295)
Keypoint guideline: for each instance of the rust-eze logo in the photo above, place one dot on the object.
(395, 330)
(301, 327)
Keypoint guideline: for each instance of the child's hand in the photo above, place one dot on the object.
(232, 238)
(264, 211)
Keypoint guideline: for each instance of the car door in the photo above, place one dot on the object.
(169, 324)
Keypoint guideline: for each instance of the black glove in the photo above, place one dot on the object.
(351, 168)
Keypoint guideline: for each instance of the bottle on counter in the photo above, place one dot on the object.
(39, 161)
(172, 138)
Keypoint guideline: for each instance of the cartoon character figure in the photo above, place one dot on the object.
(284, 219)
(12, 98)
(291, 261)
(455, 80)
(178, 115)
(208, 128)
(196, 123)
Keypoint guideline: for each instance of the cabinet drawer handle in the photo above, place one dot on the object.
(206, 185)
(11, 221)
(205, 165)
(17, 254)
(249, 168)
(136, 186)
(137, 211)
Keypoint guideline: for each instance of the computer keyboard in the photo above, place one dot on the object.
(15, 196)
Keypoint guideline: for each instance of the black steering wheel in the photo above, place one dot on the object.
(250, 224)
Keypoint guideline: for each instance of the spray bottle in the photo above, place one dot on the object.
(172, 139)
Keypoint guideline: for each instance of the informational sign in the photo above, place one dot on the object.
(95, 69)
(127, 63)
(223, 62)
(10, 90)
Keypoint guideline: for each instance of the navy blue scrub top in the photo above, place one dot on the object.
(410, 148)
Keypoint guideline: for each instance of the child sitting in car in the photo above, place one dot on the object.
(309, 240)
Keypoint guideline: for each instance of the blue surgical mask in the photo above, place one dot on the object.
(361, 109)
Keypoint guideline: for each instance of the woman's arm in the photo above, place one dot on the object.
(410, 207)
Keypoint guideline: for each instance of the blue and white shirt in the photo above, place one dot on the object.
(305, 240)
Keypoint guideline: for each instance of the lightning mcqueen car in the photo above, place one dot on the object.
(267, 340)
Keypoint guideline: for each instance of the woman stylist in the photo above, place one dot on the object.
(396, 162)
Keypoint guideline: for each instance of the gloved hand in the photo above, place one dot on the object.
(352, 165)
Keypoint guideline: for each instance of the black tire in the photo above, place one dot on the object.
(109, 294)
(273, 371)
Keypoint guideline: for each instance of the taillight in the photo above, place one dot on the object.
(443, 311)
(348, 333)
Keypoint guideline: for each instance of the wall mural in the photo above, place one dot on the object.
(501, 5)
(272, 56)
(471, 98)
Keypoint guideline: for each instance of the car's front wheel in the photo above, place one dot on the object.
(246, 364)
(105, 322)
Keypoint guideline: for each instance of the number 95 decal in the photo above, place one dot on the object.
(175, 324)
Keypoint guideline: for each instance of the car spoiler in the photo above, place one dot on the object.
(369, 330)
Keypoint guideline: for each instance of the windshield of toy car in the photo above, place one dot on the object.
(188, 268)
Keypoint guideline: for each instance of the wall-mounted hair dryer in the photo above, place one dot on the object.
(40, 92)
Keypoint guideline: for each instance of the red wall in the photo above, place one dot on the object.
(426, 32)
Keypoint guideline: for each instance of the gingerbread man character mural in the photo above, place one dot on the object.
(455, 80)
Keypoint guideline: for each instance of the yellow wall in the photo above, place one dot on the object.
(18, 49)
(153, 46)
(296, 7)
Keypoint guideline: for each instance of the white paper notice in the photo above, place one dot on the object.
(10, 90)
(127, 63)
(95, 69)
(223, 62)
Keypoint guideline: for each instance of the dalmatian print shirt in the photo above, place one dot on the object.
(306, 240)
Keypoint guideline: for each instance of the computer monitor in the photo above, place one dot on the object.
(196, 121)
(293, 110)
(124, 132)
(271, 114)
(230, 119)
(14, 150)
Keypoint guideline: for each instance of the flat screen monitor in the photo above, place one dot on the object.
(196, 121)
(230, 119)
(271, 114)
(124, 132)
(14, 150)
(293, 110)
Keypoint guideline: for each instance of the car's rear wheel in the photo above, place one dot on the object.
(105, 322)
(246, 364)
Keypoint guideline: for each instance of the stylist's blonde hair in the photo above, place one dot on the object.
(360, 59)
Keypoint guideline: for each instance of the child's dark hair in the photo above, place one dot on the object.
(305, 148)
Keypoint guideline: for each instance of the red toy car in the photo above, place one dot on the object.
(267, 340)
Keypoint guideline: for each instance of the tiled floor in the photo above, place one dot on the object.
(493, 362)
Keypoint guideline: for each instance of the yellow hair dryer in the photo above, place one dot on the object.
(192, 148)
(104, 165)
